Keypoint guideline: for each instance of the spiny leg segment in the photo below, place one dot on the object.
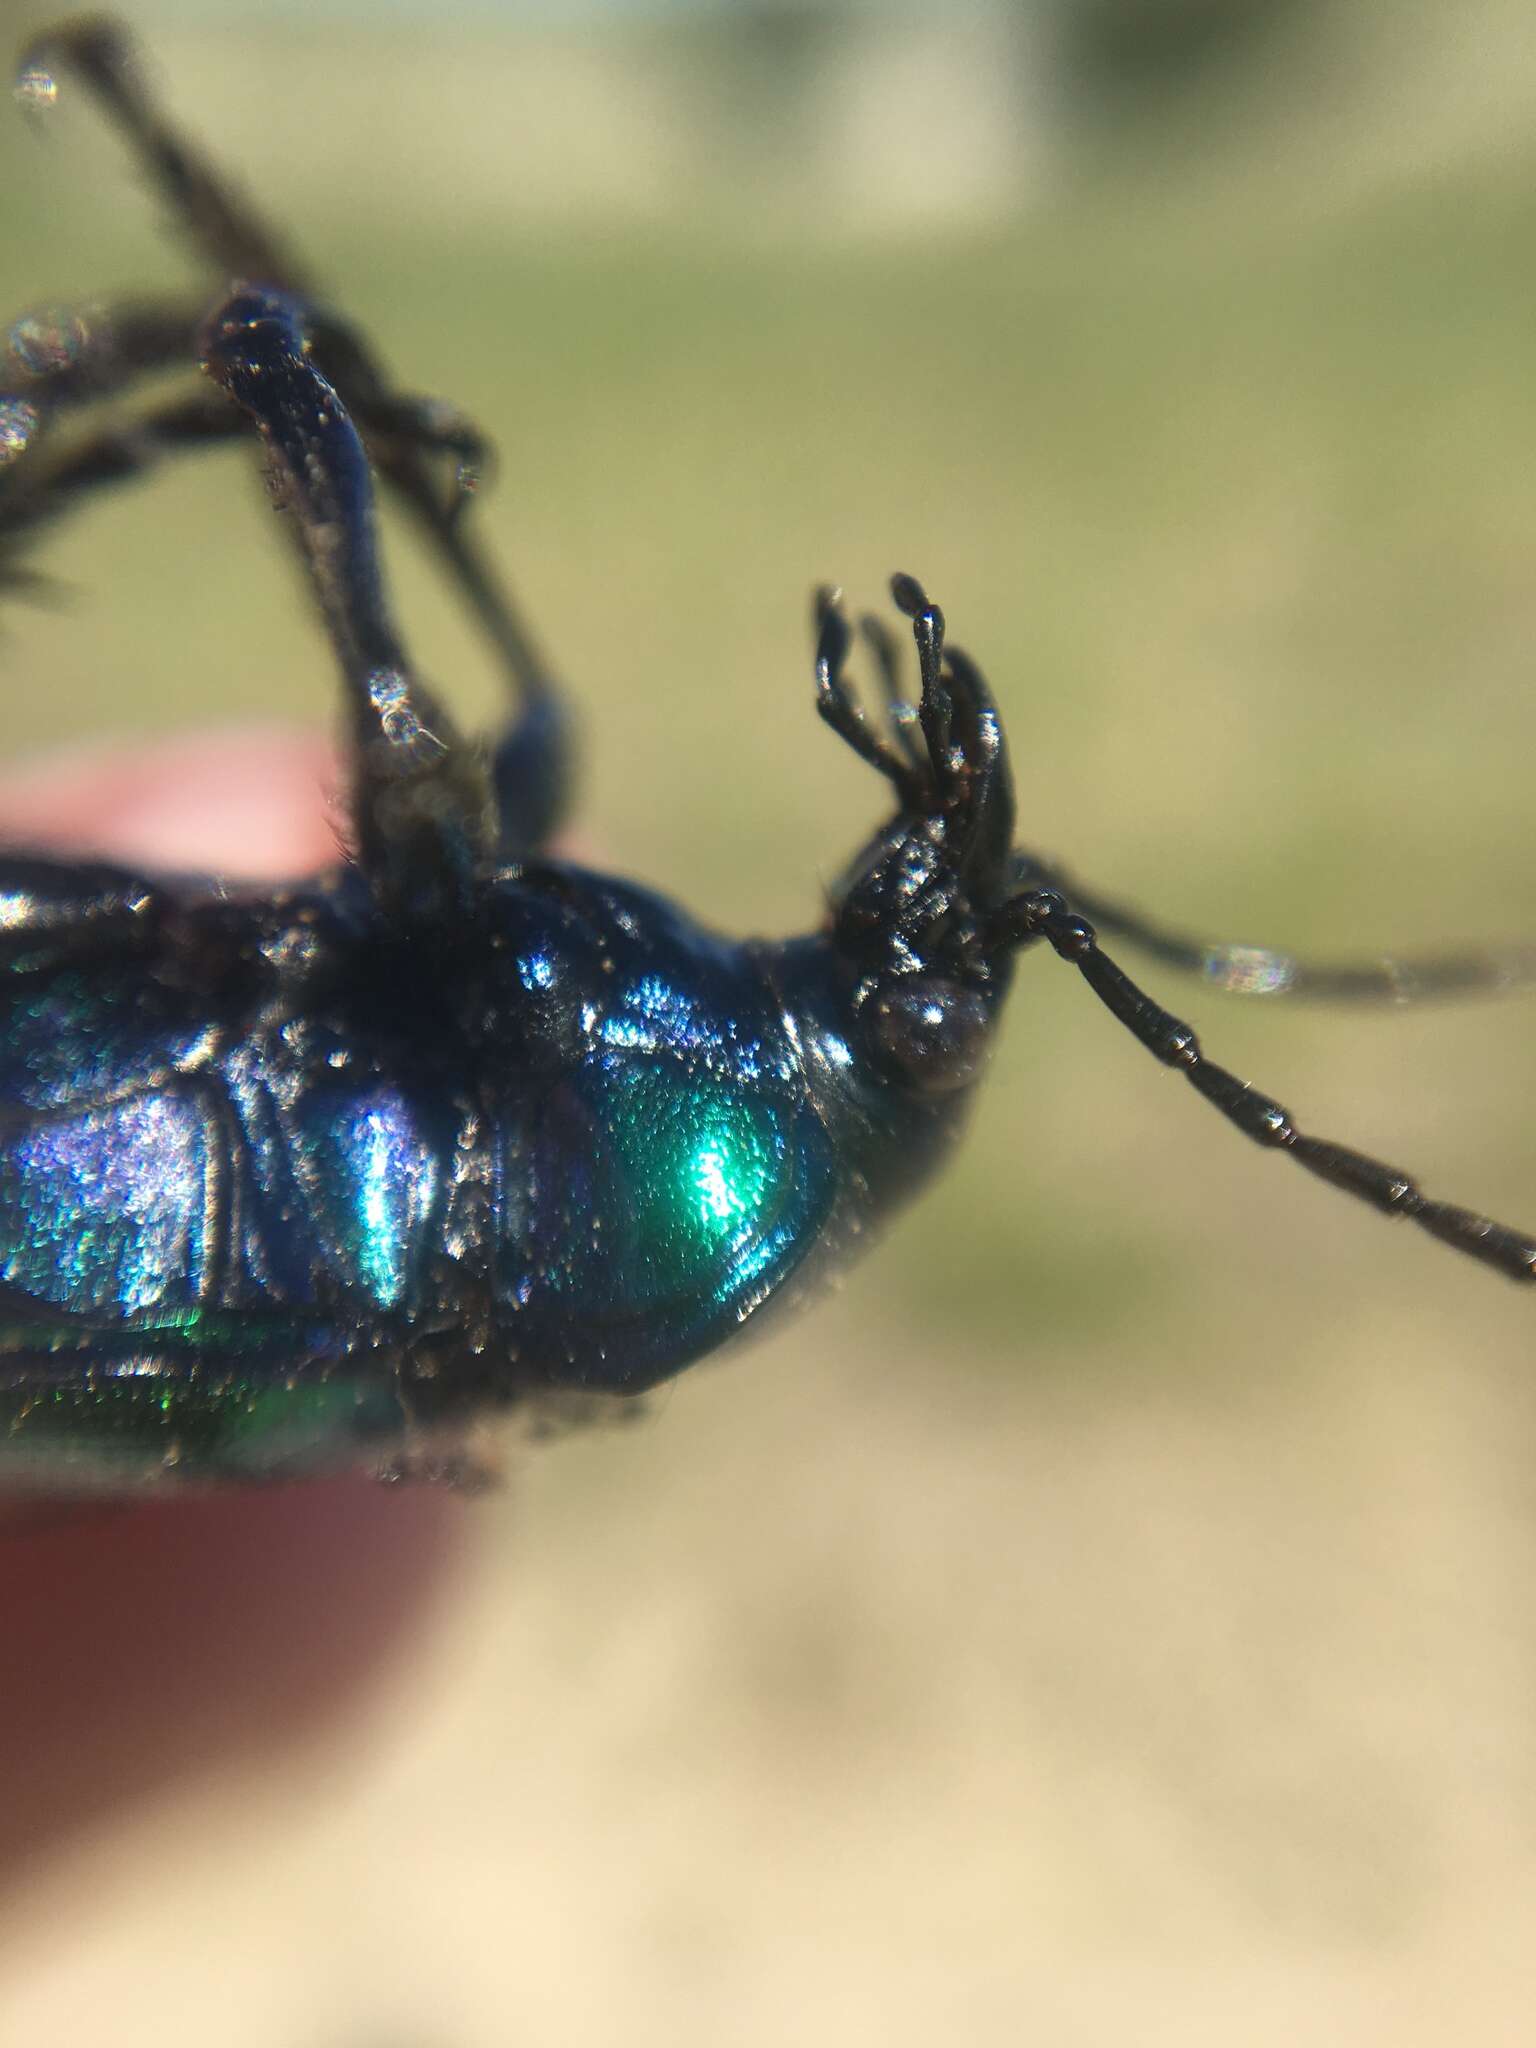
(417, 801)
(944, 755)
(1231, 967)
(57, 363)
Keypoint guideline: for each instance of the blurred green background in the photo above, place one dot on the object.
(1110, 1619)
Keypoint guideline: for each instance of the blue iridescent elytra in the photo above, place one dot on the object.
(316, 1216)
(316, 1178)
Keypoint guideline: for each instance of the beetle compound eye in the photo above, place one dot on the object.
(930, 1033)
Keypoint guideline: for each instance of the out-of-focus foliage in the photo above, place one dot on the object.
(1118, 50)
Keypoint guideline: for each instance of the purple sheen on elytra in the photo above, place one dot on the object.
(105, 1213)
(82, 1038)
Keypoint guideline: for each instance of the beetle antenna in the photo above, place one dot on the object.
(1042, 914)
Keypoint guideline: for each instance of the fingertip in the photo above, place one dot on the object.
(148, 1643)
(247, 802)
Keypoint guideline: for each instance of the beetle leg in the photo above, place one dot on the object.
(57, 478)
(965, 743)
(531, 770)
(946, 758)
(910, 774)
(231, 239)
(531, 764)
(1042, 914)
(901, 711)
(79, 361)
(124, 448)
(419, 796)
(53, 361)
(76, 355)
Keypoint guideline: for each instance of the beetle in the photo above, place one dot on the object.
(318, 1177)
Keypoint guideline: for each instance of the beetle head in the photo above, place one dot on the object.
(912, 916)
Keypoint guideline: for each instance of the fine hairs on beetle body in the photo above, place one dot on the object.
(318, 1177)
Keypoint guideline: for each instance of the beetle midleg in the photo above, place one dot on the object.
(532, 771)
(65, 360)
(419, 796)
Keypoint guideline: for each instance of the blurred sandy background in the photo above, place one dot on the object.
(1111, 1620)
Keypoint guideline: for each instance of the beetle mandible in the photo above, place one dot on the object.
(317, 1177)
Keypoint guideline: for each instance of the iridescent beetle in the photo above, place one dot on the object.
(315, 1178)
